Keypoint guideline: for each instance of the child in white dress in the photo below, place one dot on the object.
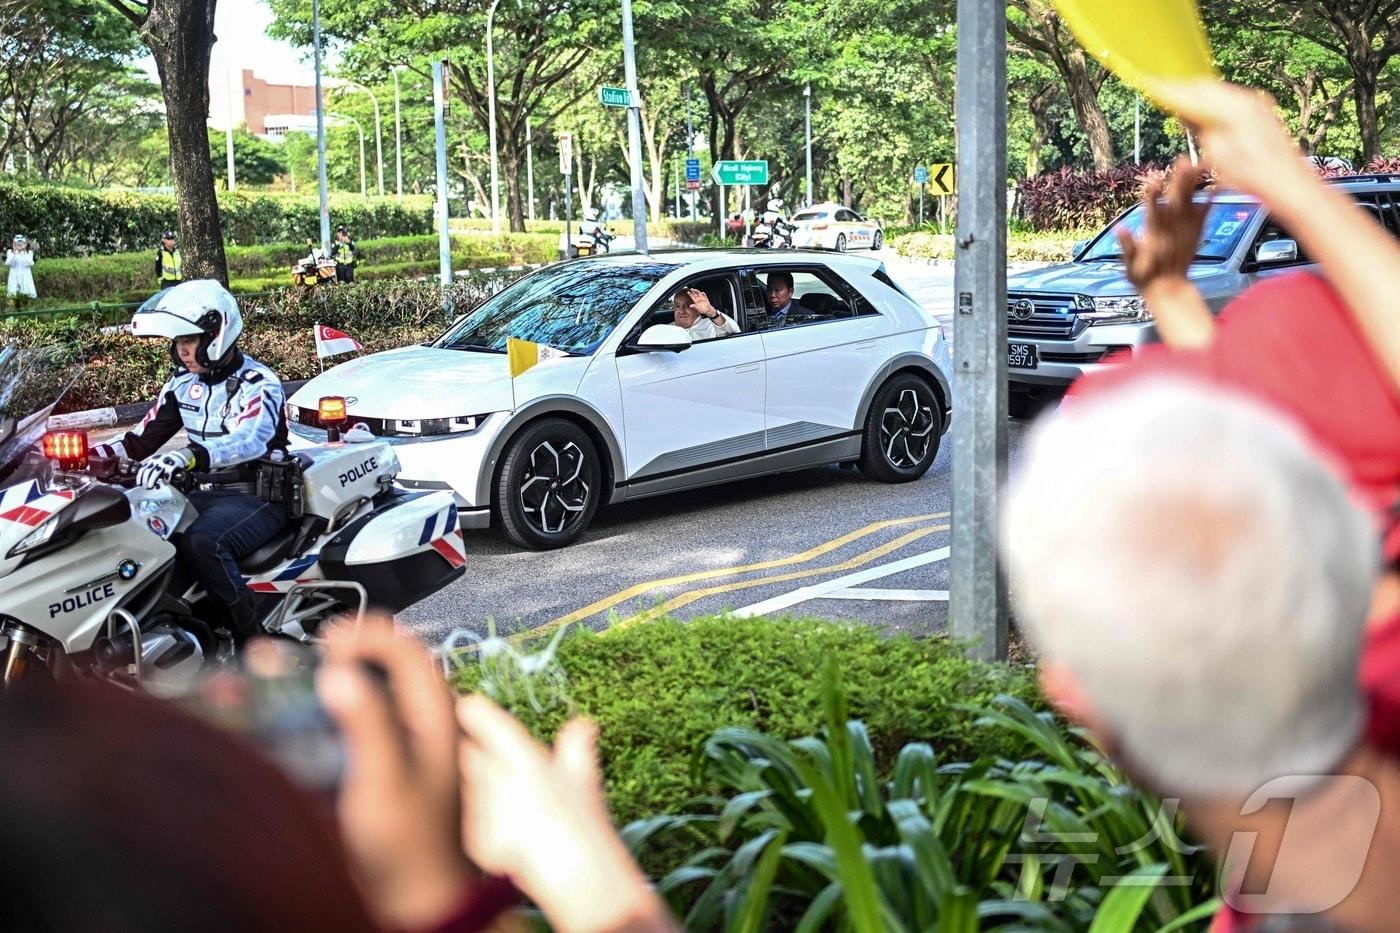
(20, 258)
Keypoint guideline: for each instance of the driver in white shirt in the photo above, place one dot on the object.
(695, 313)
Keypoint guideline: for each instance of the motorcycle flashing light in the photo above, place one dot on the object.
(330, 411)
(67, 447)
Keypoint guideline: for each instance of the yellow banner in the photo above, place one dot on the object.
(522, 355)
(1150, 44)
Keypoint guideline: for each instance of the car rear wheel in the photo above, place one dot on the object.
(901, 431)
(549, 485)
(841, 243)
(879, 240)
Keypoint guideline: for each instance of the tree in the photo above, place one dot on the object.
(180, 36)
(255, 161)
(1038, 31)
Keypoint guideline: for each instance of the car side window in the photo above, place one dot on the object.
(1384, 206)
(815, 297)
(720, 289)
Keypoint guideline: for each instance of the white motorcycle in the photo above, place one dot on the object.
(772, 230)
(88, 569)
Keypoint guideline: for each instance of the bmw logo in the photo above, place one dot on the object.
(1023, 309)
(128, 569)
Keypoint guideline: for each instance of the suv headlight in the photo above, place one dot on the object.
(1130, 309)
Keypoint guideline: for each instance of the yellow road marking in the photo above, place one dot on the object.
(685, 599)
(638, 589)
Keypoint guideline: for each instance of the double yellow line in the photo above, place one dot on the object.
(691, 596)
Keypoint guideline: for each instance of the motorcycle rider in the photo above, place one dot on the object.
(231, 409)
(593, 228)
(779, 230)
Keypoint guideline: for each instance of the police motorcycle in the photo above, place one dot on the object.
(88, 579)
(592, 237)
(314, 268)
(772, 231)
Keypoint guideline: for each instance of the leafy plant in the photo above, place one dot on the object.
(808, 836)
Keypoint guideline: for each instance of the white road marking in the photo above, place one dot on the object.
(802, 594)
(923, 596)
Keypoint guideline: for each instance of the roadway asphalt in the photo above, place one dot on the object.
(825, 542)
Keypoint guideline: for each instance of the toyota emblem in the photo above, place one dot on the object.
(1023, 309)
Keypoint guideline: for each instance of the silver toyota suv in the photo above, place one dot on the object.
(1064, 319)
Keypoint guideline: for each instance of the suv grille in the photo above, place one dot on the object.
(1051, 316)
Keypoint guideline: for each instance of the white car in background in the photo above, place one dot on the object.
(834, 226)
(856, 373)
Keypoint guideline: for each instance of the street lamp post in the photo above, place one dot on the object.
(807, 98)
(398, 138)
(530, 167)
(634, 131)
(491, 119)
(364, 191)
(321, 132)
(690, 147)
(228, 133)
(378, 134)
(440, 142)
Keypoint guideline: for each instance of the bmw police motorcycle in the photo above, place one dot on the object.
(772, 231)
(88, 582)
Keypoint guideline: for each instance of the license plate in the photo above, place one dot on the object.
(1022, 356)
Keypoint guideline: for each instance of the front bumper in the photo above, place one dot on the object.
(1061, 361)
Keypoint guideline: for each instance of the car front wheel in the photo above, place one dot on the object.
(549, 485)
(879, 240)
(841, 243)
(901, 431)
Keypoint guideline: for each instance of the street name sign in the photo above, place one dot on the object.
(943, 178)
(920, 175)
(614, 96)
(740, 173)
(692, 169)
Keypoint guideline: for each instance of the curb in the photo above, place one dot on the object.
(115, 415)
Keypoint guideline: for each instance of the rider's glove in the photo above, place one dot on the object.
(158, 469)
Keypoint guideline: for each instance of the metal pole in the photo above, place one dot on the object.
(921, 204)
(807, 98)
(440, 127)
(977, 605)
(228, 133)
(723, 215)
(530, 168)
(1137, 129)
(321, 132)
(491, 119)
(568, 215)
(398, 139)
(634, 131)
(690, 149)
(378, 132)
(676, 163)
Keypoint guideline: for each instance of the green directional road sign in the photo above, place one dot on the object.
(614, 96)
(740, 173)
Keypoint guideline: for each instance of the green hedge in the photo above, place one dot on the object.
(72, 222)
(1020, 247)
(657, 692)
(277, 330)
(128, 276)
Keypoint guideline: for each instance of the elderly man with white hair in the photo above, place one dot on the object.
(1196, 581)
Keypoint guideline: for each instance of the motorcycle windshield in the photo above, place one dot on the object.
(33, 380)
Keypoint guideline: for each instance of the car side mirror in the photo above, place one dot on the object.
(663, 337)
(1276, 251)
(1078, 247)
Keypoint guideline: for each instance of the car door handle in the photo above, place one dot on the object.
(752, 367)
(868, 345)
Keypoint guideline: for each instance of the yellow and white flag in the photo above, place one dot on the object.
(1153, 45)
(525, 353)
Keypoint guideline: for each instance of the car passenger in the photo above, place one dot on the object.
(780, 304)
(695, 313)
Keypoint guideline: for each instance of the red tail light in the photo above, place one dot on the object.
(820, 226)
(66, 446)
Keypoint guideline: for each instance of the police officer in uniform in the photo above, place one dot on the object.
(343, 252)
(168, 261)
(231, 409)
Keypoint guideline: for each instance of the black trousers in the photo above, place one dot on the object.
(345, 273)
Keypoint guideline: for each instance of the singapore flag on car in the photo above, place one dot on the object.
(330, 342)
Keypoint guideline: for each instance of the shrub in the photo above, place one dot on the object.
(71, 222)
(808, 835)
(658, 691)
(1028, 247)
(128, 276)
(1070, 199)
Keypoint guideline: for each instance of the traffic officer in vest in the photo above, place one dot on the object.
(343, 252)
(168, 261)
(231, 409)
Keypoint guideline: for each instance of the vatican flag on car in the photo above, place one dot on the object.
(1153, 45)
(526, 353)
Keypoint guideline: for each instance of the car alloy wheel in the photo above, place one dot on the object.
(879, 240)
(906, 428)
(841, 243)
(554, 491)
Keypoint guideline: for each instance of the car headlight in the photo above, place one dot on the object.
(39, 536)
(1130, 309)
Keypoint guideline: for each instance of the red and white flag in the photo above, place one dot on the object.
(330, 342)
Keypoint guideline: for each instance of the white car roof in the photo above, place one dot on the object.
(701, 259)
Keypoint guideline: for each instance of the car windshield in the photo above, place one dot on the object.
(1220, 234)
(810, 215)
(571, 307)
